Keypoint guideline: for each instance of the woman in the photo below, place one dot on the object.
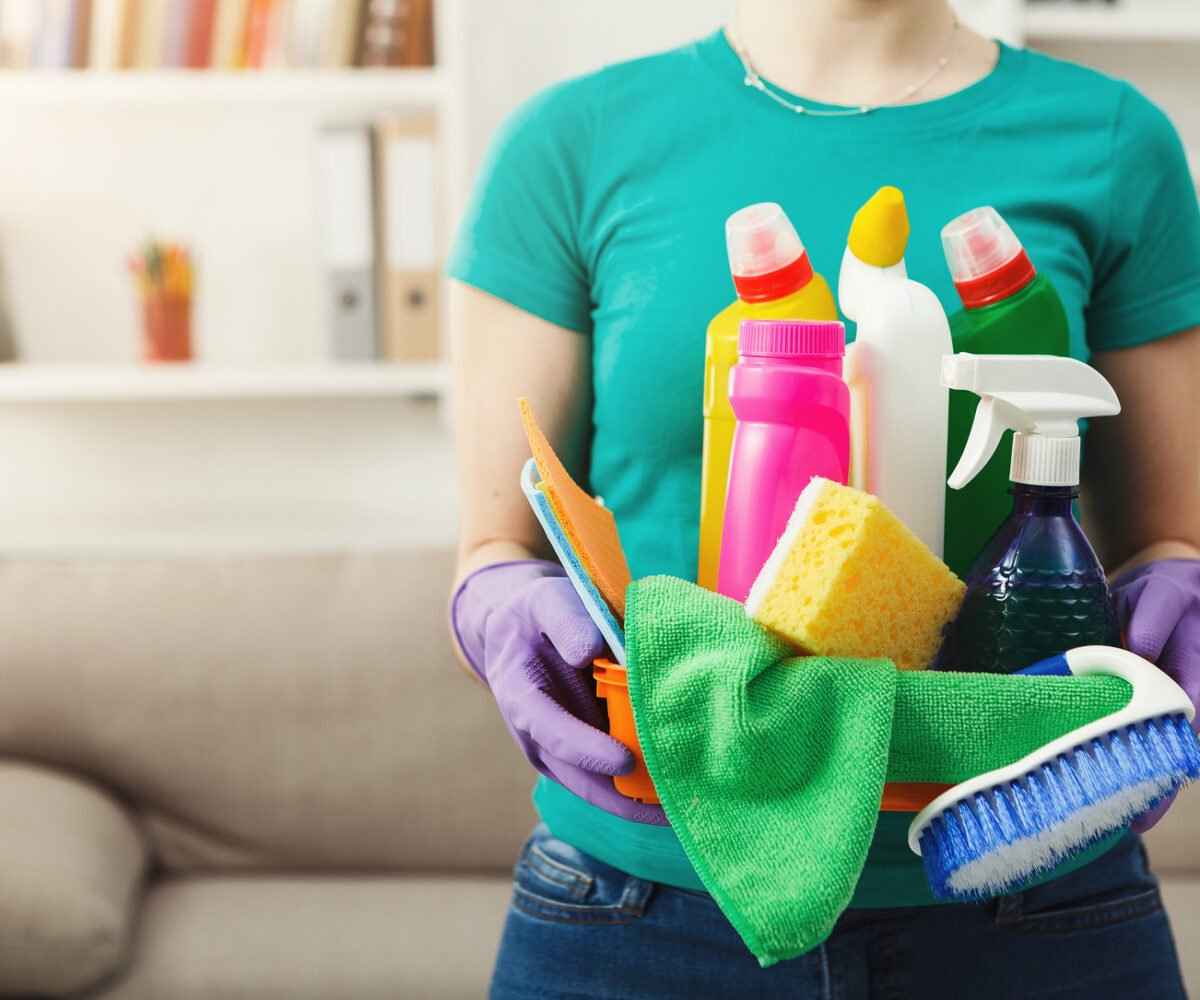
(590, 263)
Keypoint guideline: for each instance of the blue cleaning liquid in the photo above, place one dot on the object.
(1036, 590)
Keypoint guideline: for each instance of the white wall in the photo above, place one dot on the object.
(519, 46)
(202, 475)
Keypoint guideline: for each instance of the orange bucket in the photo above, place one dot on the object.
(909, 796)
(612, 686)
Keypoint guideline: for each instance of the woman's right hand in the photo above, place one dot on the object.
(524, 631)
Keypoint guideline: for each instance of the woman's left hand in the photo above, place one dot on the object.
(1158, 607)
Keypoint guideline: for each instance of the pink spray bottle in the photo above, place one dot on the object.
(793, 423)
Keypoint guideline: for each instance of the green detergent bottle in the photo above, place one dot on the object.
(1008, 309)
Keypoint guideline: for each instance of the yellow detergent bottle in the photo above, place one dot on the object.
(774, 280)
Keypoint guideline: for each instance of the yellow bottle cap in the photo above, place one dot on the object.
(879, 232)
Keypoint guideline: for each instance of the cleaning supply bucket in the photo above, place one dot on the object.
(612, 686)
(909, 796)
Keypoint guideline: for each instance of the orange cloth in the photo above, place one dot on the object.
(590, 527)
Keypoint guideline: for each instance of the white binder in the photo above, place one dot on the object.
(347, 240)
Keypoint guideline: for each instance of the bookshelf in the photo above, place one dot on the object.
(21, 383)
(134, 154)
(263, 444)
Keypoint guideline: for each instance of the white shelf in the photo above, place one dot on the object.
(52, 383)
(1130, 20)
(420, 87)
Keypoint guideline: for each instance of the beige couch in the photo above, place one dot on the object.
(247, 778)
(266, 778)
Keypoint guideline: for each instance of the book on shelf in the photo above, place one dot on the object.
(19, 29)
(52, 38)
(228, 32)
(264, 35)
(187, 42)
(127, 38)
(198, 33)
(175, 26)
(304, 27)
(342, 33)
(151, 33)
(397, 33)
(104, 45)
(215, 34)
(79, 33)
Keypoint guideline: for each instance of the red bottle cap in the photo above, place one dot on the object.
(774, 284)
(986, 260)
(766, 258)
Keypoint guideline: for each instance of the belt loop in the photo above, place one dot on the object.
(635, 895)
(826, 979)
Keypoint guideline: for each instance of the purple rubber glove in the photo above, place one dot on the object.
(529, 638)
(1158, 606)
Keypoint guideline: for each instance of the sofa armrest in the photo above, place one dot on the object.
(71, 866)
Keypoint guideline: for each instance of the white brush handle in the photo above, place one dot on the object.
(1154, 695)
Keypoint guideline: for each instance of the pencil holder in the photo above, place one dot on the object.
(166, 328)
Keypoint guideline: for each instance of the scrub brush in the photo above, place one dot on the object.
(989, 835)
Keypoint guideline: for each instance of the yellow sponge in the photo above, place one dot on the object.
(848, 578)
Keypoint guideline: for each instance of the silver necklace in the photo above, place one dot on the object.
(752, 79)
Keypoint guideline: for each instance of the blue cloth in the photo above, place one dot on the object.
(602, 205)
(578, 928)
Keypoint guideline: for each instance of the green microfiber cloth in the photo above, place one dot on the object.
(770, 767)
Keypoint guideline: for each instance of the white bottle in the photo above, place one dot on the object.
(899, 405)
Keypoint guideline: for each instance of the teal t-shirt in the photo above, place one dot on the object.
(602, 205)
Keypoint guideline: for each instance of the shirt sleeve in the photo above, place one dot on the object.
(1147, 272)
(520, 237)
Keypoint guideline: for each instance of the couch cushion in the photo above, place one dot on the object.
(71, 864)
(220, 938)
(299, 711)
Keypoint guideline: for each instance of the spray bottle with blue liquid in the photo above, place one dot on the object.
(1037, 588)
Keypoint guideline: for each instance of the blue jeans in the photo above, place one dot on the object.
(580, 929)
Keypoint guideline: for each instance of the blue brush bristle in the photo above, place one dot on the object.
(998, 839)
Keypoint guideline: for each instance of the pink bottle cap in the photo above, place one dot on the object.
(791, 338)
